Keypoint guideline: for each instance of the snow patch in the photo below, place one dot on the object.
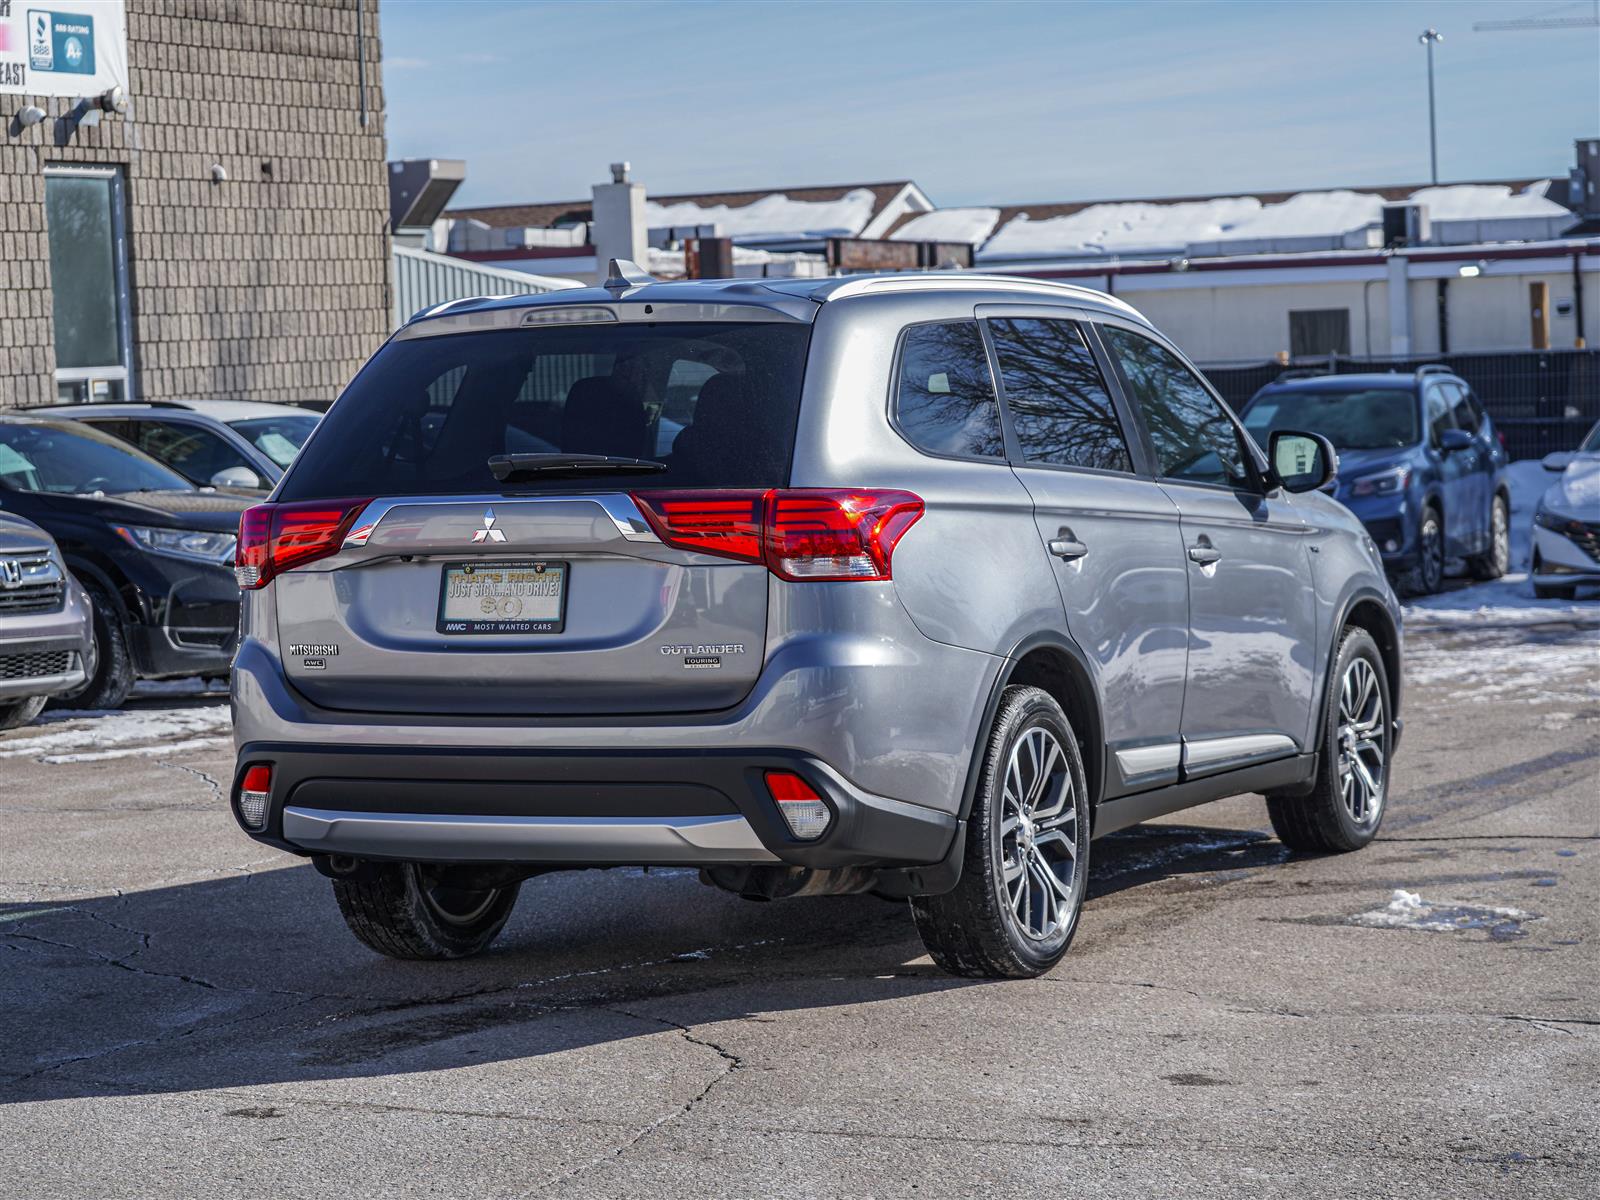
(1408, 910)
(94, 733)
(774, 216)
(1499, 663)
(970, 225)
(1487, 202)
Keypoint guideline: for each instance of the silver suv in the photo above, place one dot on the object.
(897, 584)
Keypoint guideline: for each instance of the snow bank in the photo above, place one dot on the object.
(970, 225)
(1105, 229)
(774, 216)
(87, 735)
(1487, 202)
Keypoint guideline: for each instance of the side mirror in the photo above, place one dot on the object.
(236, 477)
(1303, 462)
(1558, 462)
(1452, 440)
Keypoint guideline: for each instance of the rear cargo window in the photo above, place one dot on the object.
(715, 402)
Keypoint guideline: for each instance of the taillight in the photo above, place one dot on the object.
(726, 523)
(803, 811)
(800, 533)
(274, 538)
(817, 534)
(254, 791)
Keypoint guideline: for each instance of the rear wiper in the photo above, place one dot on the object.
(520, 466)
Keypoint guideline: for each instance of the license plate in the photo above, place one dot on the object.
(503, 597)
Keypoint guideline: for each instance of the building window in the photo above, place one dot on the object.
(88, 282)
(1319, 332)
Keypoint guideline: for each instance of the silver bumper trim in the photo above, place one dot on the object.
(450, 837)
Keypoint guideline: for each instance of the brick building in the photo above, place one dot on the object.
(226, 235)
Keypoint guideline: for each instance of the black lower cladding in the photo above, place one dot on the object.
(866, 830)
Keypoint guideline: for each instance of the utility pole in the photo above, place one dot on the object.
(1428, 37)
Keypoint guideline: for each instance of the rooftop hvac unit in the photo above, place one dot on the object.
(1405, 225)
(419, 188)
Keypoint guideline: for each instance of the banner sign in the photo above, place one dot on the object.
(63, 47)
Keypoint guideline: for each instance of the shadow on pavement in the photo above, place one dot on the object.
(251, 979)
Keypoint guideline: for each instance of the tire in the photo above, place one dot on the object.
(1342, 812)
(394, 909)
(1496, 560)
(14, 714)
(1425, 575)
(113, 676)
(1016, 907)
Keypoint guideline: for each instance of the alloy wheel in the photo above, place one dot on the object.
(1500, 532)
(1362, 744)
(1039, 836)
(1432, 555)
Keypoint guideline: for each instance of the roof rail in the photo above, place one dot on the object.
(1302, 373)
(1433, 369)
(855, 285)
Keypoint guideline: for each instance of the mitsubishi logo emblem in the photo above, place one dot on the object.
(488, 533)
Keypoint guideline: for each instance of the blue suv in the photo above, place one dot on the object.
(1419, 462)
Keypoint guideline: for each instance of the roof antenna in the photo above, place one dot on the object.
(624, 274)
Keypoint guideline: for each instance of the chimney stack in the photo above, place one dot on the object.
(618, 230)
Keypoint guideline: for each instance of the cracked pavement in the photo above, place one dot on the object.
(185, 1013)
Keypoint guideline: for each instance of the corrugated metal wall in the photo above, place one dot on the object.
(423, 279)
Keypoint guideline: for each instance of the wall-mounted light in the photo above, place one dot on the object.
(1472, 270)
(112, 100)
(31, 115)
(219, 173)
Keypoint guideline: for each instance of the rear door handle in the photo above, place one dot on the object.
(1205, 555)
(1068, 549)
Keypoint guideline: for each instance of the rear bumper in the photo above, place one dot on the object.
(574, 808)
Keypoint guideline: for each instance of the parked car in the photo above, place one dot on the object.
(1566, 523)
(46, 636)
(879, 618)
(237, 444)
(1420, 463)
(153, 551)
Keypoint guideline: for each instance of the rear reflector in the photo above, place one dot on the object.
(804, 812)
(274, 538)
(800, 533)
(254, 790)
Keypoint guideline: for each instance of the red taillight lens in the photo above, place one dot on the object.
(274, 538)
(726, 523)
(814, 533)
(257, 779)
(800, 533)
(803, 811)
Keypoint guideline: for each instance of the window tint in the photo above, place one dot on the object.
(946, 402)
(75, 459)
(1193, 437)
(279, 438)
(1438, 413)
(1058, 400)
(427, 413)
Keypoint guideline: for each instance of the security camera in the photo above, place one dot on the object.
(218, 173)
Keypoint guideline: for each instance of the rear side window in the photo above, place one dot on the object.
(1057, 398)
(715, 402)
(1195, 441)
(945, 402)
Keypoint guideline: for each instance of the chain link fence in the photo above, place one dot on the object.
(1541, 400)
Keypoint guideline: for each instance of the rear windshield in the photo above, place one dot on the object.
(1358, 419)
(715, 402)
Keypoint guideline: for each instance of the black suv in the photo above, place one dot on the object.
(153, 551)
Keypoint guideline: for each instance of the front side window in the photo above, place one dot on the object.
(1463, 407)
(193, 451)
(1059, 404)
(279, 438)
(945, 403)
(713, 404)
(1438, 413)
(1194, 440)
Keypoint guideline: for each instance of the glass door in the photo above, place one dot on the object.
(89, 283)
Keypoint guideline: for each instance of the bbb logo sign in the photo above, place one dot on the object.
(41, 47)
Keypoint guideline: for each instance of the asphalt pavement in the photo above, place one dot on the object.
(185, 1014)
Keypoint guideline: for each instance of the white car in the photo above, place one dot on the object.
(1566, 525)
(241, 444)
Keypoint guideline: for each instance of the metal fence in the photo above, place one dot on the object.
(1541, 400)
(422, 279)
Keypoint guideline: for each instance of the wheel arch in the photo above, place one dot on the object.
(1053, 663)
(1367, 610)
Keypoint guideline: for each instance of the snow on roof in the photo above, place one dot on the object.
(971, 225)
(1145, 227)
(774, 216)
(1487, 202)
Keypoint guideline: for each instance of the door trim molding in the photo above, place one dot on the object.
(1207, 755)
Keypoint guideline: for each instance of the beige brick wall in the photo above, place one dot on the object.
(267, 286)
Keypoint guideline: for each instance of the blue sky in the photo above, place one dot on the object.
(981, 103)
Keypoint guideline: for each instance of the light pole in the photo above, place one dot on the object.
(1428, 37)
